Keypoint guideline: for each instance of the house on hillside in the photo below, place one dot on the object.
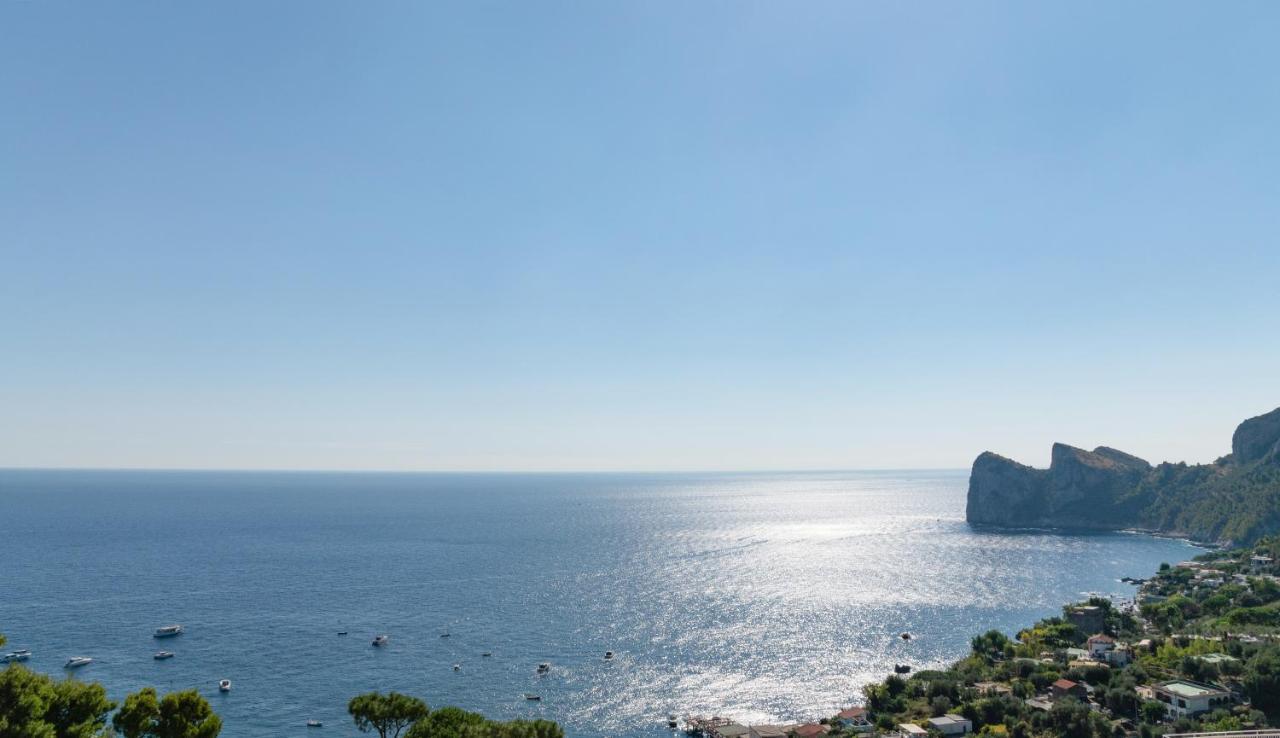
(1067, 688)
(810, 730)
(1099, 645)
(1183, 697)
(951, 725)
(856, 719)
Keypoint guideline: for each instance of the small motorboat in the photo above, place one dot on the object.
(21, 654)
(314, 724)
(162, 655)
(457, 667)
(906, 636)
(342, 632)
(444, 635)
(608, 655)
(544, 667)
(75, 662)
(533, 697)
(224, 685)
(381, 640)
(167, 631)
(672, 722)
(487, 654)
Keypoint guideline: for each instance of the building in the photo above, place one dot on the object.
(767, 731)
(1086, 618)
(854, 718)
(733, 730)
(992, 689)
(1067, 688)
(1120, 656)
(911, 730)
(1099, 646)
(810, 730)
(951, 725)
(1259, 563)
(1185, 697)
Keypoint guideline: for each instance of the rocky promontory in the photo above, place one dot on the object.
(1236, 498)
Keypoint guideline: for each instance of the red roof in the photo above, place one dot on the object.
(811, 729)
(852, 712)
(1065, 684)
(1102, 638)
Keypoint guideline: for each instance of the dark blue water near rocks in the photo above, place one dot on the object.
(758, 596)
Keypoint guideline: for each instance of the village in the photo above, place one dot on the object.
(1195, 652)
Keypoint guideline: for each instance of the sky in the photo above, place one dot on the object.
(634, 235)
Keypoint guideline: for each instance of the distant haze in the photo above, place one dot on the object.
(634, 235)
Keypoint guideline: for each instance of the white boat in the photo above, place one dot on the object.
(224, 685)
(457, 667)
(162, 655)
(532, 697)
(167, 631)
(21, 654)
(380, 640)
(672, 721)
(314, 724)
(75, 662)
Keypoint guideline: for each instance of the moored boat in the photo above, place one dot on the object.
(224, 685)
(162, 655)
(22, 654)
(167, 631)
(533, 697)
(314, 724)
(380, 640)
(75, 662)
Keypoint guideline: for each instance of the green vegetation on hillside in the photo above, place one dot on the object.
(1213, 621)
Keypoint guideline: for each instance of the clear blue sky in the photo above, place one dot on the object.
(608, 235)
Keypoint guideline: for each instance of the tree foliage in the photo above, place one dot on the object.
(178, 715)
(386, 714)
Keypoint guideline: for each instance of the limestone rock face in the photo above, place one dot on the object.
(1080, 489)
(1236, 498)
(1257, 438)
(1004, 492)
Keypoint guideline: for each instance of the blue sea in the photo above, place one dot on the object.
(762, 597)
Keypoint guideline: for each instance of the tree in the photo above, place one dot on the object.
(447, 722)
(1152, 711)
(178, 715)
(388, 714)
(79, 709)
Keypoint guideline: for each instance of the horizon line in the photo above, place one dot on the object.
(276, 470)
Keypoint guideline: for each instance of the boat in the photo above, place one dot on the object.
(533, 697)
(608, 655)
(167, 631)
(444, 635)
(544, 667)
(224, 685)
(487, 654)
(162, 655)
(901, 669)
(380, 640)
(672, 722)
(906, 636)
(342, 632)
(21, 654)
(75, 662)
(457, 667)
(314, 724)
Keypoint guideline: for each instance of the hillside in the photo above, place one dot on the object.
(1235, 499)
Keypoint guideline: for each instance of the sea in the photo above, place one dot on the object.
(763, 597)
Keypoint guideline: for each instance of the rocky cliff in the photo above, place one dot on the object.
(1236, 498)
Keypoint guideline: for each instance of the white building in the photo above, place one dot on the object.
(1183, 698)
(951, 725)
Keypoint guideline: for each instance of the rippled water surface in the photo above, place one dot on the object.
(758, 596)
